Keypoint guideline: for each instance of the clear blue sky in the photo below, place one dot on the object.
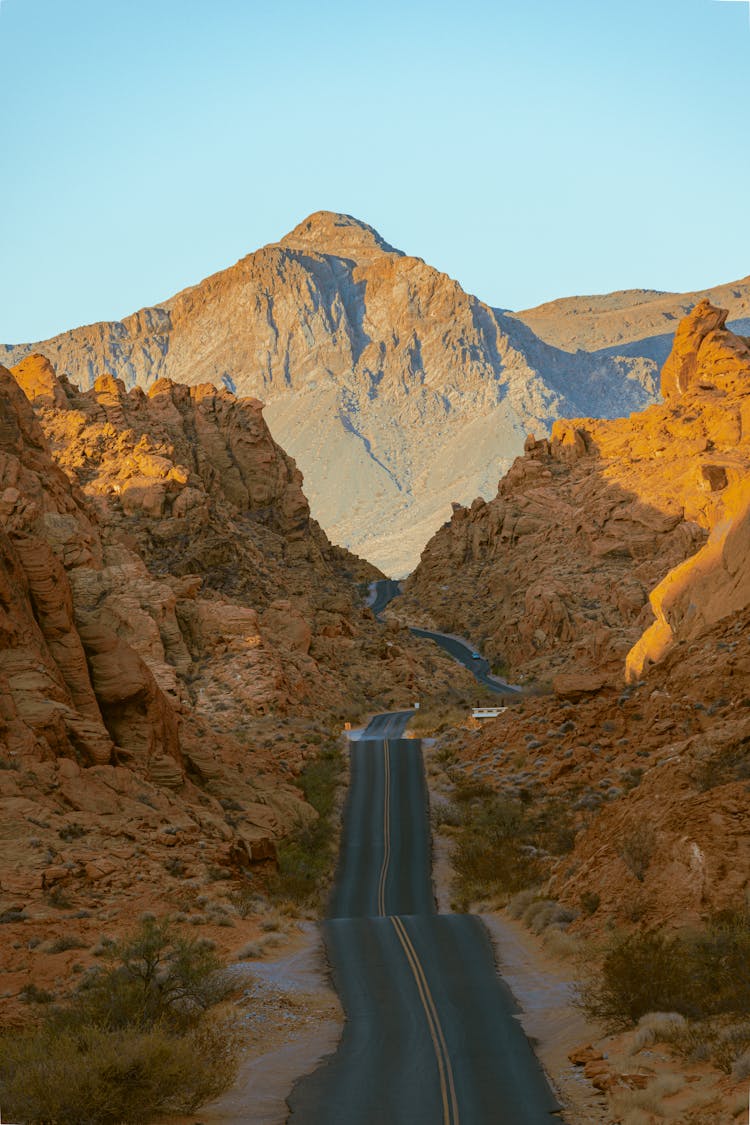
(530, 148)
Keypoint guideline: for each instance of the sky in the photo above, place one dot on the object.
(532, 149)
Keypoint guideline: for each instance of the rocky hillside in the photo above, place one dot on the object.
(637, 322)
(582, 547)
(613, 566)
(395, 390)
(176, 637)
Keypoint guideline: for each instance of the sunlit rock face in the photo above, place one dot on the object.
(177, 636)
(614, 539)
(612, 572)
(395, 391)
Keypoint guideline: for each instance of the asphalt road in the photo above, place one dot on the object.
(386, 590)
(465, 655)
(430, 1035)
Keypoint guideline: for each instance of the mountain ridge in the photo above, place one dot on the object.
(396, 391)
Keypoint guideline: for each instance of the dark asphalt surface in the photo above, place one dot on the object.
(430, 1035)
(461, 652)
(387, 590)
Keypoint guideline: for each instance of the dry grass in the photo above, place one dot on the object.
(635, 1107)
(136, 1041)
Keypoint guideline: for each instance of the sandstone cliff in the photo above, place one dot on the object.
(556, 572)
(176, 637)
(395, 390)
(616, 552)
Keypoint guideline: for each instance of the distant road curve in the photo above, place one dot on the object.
(382, 594)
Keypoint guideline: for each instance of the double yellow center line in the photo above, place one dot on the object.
(386, 828)
(445, 1070)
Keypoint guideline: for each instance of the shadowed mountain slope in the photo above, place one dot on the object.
(395, 391)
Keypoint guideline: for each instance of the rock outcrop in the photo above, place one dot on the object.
(177, 636)
(618, 551)
(608, 525)
(394, 389)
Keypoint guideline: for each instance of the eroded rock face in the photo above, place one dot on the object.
(637, 529)
(609, 525)
(394, 389)
(176, 637)
(652, 777)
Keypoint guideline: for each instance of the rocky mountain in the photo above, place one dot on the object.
(395, 390)
(638, 323)
(177, 636)
(612, 570)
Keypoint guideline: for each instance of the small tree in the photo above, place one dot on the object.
(157, 976)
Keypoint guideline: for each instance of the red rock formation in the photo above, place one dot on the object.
(556, 572)
(652, 774)
(176, 636)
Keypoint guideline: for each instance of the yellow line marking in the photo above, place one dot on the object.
(445, 1070)
(386, 828)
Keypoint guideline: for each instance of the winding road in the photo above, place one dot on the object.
(383, 593)
(430, 1035)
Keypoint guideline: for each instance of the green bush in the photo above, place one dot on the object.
(156, 977)
(92, 1076)
(503, 845)
(701, 975)
(307, 855)
(133, 1042)
(640, 973)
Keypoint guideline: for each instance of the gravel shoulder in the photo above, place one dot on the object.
(290, 1019)
(541, 984)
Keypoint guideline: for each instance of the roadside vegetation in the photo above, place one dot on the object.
(437, 715)
(307, 855)
(139, 1038)
(501, 845)
(700, 979)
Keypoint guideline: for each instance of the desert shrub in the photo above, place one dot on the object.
(730, 763)
(504, 845)
(436, 719)
(58, 898)
(637, 849)
(590, 901)
(72, 832)
(66, 942)
(545, 914)
(135, 1041)
(521, 902)
(244, 898)
(174, 866)
(638, 1107)
(99, 1077)
(492, 854)
(720, 961)
(157, 976)
(640, 973)
(698, 975)
(31, 994)
(307, 855)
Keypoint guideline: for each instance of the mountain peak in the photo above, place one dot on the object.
(330, 233)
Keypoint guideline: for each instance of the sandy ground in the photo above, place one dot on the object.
(292, 1019)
